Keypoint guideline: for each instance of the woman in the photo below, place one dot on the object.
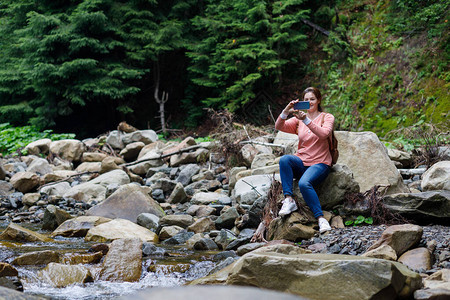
(312, 161)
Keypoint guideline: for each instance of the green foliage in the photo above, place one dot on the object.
(358, 221)
(15, 138)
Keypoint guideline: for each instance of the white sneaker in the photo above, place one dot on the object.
(324, 225)
(288, 207)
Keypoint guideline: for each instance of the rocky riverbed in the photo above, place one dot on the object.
(125, 209)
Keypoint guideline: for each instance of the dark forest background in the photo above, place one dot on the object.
(84, 66)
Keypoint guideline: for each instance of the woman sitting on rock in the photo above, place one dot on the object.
(312, 161)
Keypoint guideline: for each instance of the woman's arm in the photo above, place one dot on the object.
(288, 126)
(325, 130)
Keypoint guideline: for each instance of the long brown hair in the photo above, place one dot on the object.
(316, 93)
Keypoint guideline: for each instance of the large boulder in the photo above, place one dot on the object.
(423, 208)
(69, 149)
(367, 157)
(18, 233)
(208, 293)
(118, 229)
(437, 177)
(62, 275)
(288, 140)
(333, 190)
(79, 226)
(123, 262)
(400, 237)
(325, 276)
(127, 203)
(24, 181)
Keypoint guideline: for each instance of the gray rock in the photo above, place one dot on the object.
(128, 203)
(423, 208)
(244, 249)
(53, 217)
(262, 160)
(148, 220)
(363, 153)
(58, 189)
(205, 244)
(114, 139)
(40, 166)
(146, 136)
(69, 149)
(250, 188)
(227, 219)
(179, 220)
(208, 293)
(178, 195)
(38, 147)
(180, 238)
(186, 174)
(437, 177)
(224, 238)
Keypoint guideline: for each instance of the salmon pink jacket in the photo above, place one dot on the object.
(313, 139)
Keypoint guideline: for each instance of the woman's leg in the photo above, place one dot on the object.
(291, 167)
(314, 175)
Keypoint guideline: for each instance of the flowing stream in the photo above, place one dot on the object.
(178, 266)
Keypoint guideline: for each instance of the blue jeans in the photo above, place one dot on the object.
(291, 167)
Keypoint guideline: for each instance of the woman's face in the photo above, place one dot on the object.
(313, 101)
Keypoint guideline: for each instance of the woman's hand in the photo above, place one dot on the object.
(301, 115)
(290, 107)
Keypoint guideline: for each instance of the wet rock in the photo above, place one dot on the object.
(37, 258)
(205, 244)
(24, 181)
(437, 177)
(120, 228)
(423, 208)
(363, 153)
(53, 217)
(103, 248)
(78, 258)
(79, 226)
(69, 149)
(7, 270)
(418, 259)
(149, 221)
(61, 275)
(400, 238)
(123, 261)
(17, 233)
(194, 239)
(128, 202)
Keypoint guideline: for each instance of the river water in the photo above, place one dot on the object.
(178, 266)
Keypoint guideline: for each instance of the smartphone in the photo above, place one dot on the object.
(302, 105)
